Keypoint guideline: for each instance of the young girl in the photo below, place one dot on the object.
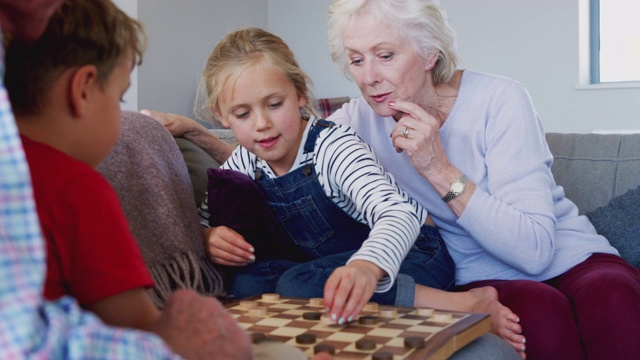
(355, 231)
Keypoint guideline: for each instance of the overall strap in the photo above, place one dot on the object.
(314, 132)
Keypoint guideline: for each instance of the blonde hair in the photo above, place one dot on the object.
(243, 48)
(423, 22)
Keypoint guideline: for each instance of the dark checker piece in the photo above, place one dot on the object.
(330, 349)
(258, 337)
(382, 355)
(306, 338)
(312, 315)
(365, 344)
(368, 320)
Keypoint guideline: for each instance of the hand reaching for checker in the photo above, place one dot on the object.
(349, 288)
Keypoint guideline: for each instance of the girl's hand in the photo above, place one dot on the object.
(224, 246)
(349, 288)
(417, 133)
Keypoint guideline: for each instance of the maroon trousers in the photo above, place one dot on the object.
(590, 312)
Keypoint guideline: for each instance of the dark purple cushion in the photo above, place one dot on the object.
(237, 201)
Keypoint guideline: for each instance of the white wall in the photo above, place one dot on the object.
(131, 96)
(532, 41)
(303, 25)
(181, 34)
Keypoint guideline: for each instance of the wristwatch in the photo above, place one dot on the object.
(456, 188)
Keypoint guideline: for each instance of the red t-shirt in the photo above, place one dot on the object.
(91, 253)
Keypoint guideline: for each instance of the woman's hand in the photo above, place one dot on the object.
(177, 125)
(349, 288)
(224, 246)
(418, 134)
(182, 126)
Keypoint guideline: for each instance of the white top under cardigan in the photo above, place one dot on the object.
(518, 223)
(366, 192)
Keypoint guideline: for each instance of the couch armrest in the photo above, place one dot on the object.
(198, 161)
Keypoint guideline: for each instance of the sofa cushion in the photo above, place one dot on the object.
(235, 200)
(618, 222)
(225, 135)
(198, 161)
(595, 168)
(328, 106)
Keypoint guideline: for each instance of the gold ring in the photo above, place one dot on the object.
(405, 132)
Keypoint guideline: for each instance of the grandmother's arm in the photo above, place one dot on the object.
(182, 126)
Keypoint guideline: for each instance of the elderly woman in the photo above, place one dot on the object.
(471, 149)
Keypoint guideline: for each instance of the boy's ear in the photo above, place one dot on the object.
(84, 81)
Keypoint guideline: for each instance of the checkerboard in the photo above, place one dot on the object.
(380, 332)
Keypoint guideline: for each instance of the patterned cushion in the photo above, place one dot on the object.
(329, 105)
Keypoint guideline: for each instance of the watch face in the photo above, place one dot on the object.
(457, 187)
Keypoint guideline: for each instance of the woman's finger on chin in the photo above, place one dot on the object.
(407, 108)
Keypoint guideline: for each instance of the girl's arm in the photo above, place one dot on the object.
(367, 192)
(361, 186)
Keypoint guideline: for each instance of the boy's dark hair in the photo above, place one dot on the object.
(79, 33)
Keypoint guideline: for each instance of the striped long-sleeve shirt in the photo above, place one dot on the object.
(353, 179)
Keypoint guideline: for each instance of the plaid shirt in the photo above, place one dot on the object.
(29, 326)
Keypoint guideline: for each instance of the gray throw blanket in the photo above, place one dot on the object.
(148, 172)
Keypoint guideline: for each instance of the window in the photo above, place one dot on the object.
(614, 40)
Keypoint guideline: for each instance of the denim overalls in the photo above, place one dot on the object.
(327, 237)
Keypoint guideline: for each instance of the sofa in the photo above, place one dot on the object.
(593, 169)
(599, 172)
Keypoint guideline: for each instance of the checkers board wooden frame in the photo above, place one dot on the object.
(284, 321)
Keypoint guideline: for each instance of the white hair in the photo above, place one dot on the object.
(423, 23)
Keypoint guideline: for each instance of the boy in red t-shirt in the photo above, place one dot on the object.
(65, 89)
